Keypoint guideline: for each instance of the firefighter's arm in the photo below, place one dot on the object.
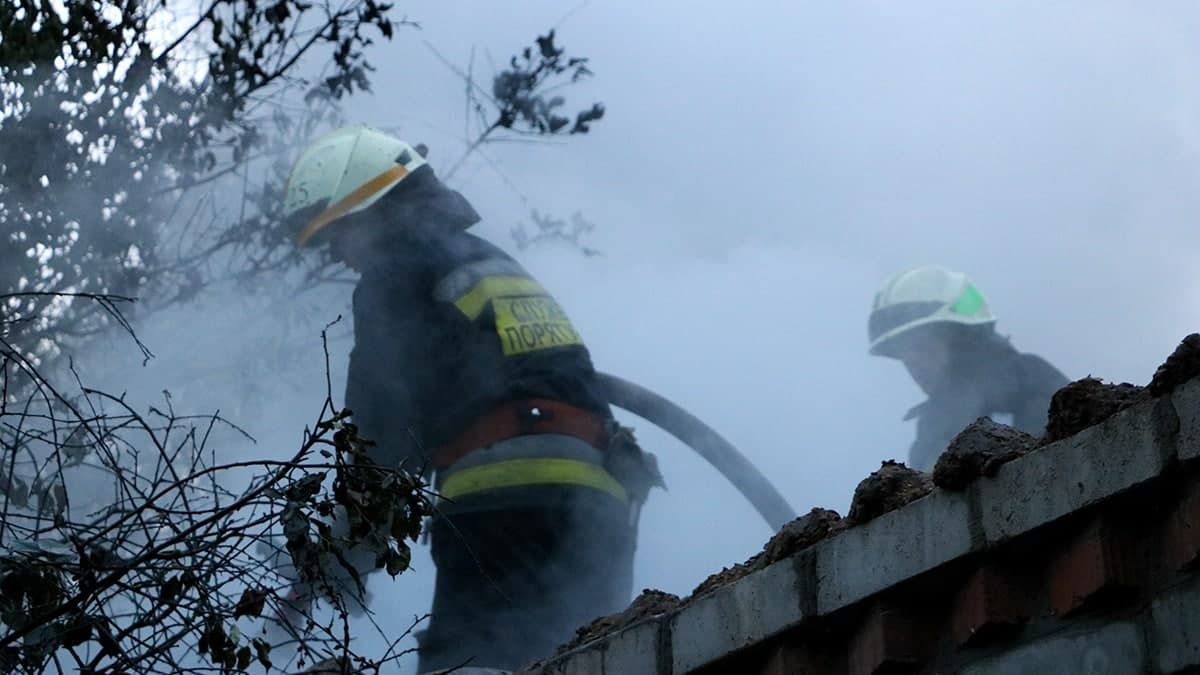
(924, 451)
(378, 382)
(1037, 382)
(377, 402)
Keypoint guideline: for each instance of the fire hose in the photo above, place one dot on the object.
(710, 445)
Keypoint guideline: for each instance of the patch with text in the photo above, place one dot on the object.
(533, 322)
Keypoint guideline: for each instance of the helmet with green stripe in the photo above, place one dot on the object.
(922, 297)
(344, 172)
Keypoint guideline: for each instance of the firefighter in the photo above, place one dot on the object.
(464, 363)
(935, 322)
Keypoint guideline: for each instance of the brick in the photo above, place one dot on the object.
(989, 606)
(892, 548)
(1175, 630)
(1187, 405)
(1100, 561)
(1120, 453)
(1112, 648)
(744, 613)
(891, 640)
(1181, 531)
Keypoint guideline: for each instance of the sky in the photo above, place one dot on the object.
(761, 169)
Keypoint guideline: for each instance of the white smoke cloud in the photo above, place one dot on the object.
(762, 167)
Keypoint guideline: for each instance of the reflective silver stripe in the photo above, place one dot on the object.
(533, 446)
(459, 282)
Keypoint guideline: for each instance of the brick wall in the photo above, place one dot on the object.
(1082, 556)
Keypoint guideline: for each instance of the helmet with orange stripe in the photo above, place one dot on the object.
(344, 172)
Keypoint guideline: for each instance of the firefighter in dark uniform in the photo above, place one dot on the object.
(939, 326)
(462, 362)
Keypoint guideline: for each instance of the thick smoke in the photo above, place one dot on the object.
(759, 173)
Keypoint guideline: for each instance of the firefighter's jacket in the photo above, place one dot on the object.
(448, 328)
(1007, 382)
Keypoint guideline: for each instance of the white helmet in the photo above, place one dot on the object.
(923, 296)
(344, 172)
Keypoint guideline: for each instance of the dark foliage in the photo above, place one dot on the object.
(153, 562)
(110, 138)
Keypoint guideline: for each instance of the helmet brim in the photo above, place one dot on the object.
(897, 341)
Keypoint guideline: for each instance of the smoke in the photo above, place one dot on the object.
(761, 169)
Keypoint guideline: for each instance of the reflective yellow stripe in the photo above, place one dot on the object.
(529, 323)
(490, 288)
(360, 195)
(519, 472)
